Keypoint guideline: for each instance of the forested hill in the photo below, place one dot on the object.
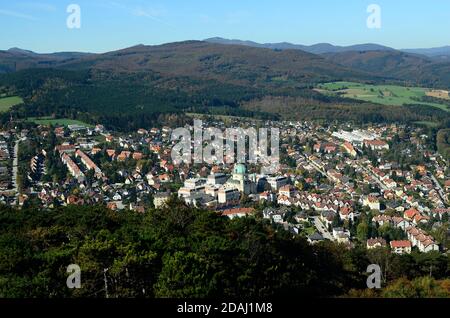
(129, 89)
(182, 252)
(16, 59)
(196, 59)
(412, 69)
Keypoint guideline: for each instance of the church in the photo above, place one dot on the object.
(240, 180)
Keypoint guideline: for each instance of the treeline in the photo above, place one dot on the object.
(431, 99)
(443, 143)
(301, 108)
(182, 252)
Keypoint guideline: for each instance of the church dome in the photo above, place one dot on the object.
(240, 169)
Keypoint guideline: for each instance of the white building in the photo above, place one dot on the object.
(217, 178)
(277, 182)
(194, 183)
(228, 195)
(401, 247)
(372, 202)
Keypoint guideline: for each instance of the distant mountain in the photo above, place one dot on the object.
(56, 55)
(20, 51)
(412, 68)
(247, 63)
(319, 48)
(230, 63)
(438, 52)
(423, 69)
(322, 48)
(16, 59)
(387, 63)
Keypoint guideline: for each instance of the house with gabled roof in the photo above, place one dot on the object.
(375, 243)
(401, 247)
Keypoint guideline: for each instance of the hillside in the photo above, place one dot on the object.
(410, 68)
(437, 52)
(224, 63)
(425, 67)
(192, 67)
(249, 63)
(191, 76)
(16, 59)
(128, 88)
(319, 48)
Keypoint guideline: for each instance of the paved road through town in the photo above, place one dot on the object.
(440, 189)
(374, 177)
(15, 165)
(322, 229)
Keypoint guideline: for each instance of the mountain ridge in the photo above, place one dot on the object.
(318, 48)
(199, 59)
(247, 64)
(323, 48)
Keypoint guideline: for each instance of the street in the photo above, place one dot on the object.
(322, 229)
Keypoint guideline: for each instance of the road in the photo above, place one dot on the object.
(322, 229)
(440, 189)
(374, 177)
(15, 170)
(318, 169)
(15, 165)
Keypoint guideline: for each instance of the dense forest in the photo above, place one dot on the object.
(134, 100)
(126, 102)
(411, 69)
(183, 252)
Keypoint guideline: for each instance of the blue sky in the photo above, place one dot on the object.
(113, 24)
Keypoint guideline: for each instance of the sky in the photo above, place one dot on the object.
(108, 25)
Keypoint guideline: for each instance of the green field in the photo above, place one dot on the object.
(56, 122)
(7, 102)
(380, 94)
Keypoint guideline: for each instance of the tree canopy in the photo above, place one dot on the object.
(179, 252)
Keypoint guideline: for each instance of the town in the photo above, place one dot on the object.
(378, 185)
